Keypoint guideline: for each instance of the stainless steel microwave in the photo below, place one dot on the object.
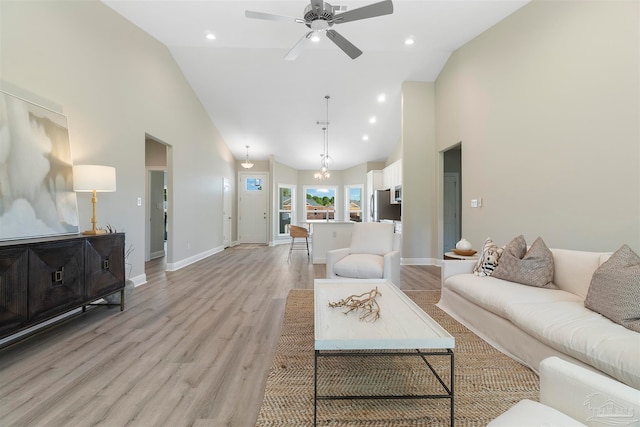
(397, 194)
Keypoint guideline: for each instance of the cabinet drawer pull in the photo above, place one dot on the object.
(57, 277)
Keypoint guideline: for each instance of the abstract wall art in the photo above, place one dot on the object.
(36, 174)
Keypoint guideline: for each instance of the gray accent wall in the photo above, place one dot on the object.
(546, 104)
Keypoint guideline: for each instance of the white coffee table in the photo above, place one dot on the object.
(402, 326)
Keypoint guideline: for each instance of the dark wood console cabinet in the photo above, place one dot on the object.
(43, 278)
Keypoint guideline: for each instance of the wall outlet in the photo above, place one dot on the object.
(139, 201)
(474, 203)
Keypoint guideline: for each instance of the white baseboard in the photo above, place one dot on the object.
(420, 261)
(138, 280)
(158, 254)
(173, 266)
(277, 242)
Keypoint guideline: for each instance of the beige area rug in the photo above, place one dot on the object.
(486, 382)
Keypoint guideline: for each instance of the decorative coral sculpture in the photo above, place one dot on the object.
(366, 303)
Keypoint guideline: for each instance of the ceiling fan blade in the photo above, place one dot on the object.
(295, 50)
(364, 12)
(271, 16)
(344, 44)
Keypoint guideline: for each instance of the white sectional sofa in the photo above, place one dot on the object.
(573, 396)
(530, 324)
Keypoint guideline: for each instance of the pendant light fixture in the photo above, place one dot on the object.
(325, 159)
(247, 164)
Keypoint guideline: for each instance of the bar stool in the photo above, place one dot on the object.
(299, 232)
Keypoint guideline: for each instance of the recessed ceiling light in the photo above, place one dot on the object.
(382, 97)
(372, 119)
(210, 36)
(409, 41)
(365, 137)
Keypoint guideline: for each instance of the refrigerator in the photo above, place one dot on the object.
(381, 207)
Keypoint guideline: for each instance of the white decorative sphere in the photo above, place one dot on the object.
(463, 245)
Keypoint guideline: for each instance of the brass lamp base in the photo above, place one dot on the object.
(94, 232)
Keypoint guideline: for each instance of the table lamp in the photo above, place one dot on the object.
(94, 178)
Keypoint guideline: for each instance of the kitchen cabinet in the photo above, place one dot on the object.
(375, 181)
(392, 175)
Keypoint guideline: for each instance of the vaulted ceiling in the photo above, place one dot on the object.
(255, 97)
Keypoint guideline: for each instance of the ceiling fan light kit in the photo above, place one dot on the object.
(320, 16)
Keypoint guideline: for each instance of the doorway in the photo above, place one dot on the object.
(253, 207)
(157, 211)
(452, 198)
(226, 212)
(157, 208)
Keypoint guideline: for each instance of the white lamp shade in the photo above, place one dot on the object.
(94, 177)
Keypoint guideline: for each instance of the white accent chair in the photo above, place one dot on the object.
(571, 395)
(374, 254)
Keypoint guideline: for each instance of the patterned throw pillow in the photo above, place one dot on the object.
(615, 289)
(533, 267)
(489, 257)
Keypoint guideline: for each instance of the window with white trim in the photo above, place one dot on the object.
(286, 207)
(353, 195)
(320, 203)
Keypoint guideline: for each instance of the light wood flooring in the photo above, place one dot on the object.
(192, 348)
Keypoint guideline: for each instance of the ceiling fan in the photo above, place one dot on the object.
(320, 17)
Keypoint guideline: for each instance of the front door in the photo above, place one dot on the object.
(253, 207)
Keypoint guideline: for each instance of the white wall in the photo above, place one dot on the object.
(396, 153)
(116, 84)
(419, 174)
(356, 175)
(546, 104)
